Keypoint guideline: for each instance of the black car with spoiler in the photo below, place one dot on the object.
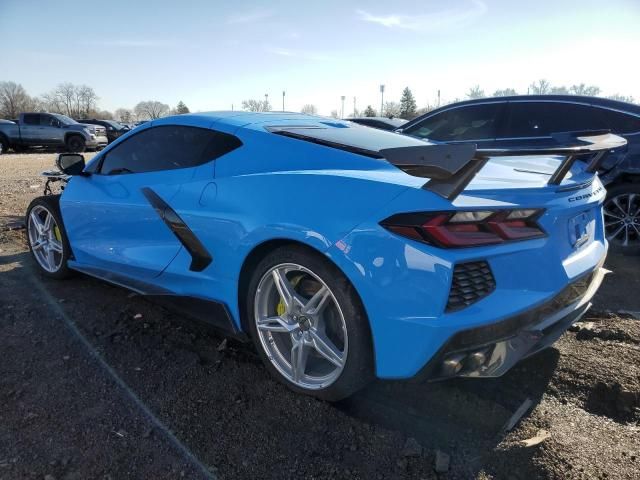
(530, 121)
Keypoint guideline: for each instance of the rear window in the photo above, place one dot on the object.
(622, 123)
(541, 119)
(355, 139)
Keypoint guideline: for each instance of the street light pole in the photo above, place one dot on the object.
(266, 101)
(283, 100)
(381, 100)
(342, 108)
(354, 106)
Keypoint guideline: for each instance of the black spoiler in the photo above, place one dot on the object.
(451, 167)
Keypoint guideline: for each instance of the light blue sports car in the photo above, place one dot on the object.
(343, 252)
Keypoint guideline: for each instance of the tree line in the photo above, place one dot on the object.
(77, 101)
(81, 101)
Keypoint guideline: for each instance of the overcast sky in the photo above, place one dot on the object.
(212, 54)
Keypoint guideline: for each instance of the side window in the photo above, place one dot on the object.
(31, 119)
(541, 119)
(49, 121)
(167, 147)
(622, 123)
(474, 122)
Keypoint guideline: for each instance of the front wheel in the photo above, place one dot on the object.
(308, 324)
(622, 218)
(46, 237)
(76, 144)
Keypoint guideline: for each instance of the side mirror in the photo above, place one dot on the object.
(70, 163)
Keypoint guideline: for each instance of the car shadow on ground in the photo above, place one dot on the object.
(202, 386)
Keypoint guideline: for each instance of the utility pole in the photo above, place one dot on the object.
(266, 101)
(232, 107)
(283, 100)
(381, 100)
(438, 97)
(342, 108)
(354, 106)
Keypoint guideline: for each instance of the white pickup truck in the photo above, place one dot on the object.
(50, 130)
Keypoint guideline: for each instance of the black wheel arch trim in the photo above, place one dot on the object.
(200, 257)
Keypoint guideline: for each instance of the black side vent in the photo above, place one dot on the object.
(471, 282)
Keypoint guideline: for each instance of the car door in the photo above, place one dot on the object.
(112, 217)
(50, 130)
(30, 128)
(474, 123)
(531, 123)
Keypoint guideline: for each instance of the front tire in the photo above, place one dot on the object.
(76, 144)
(622, 218)
(4, 145)
(46, 237)
(308, 324)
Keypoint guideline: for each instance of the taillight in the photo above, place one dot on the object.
(467, 228)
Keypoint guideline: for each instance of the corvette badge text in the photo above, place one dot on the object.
(586, 195)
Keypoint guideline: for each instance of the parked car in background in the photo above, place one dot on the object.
(529, 120)
(400, 263)
(114, 129)
(381, 123)
(50, 130)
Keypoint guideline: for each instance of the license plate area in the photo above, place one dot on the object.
(581, 229)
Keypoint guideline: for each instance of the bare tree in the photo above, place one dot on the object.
(392, 109)
(151, 109)
(13, 100)
(123, 115)
(475, 92)
(507, 92)
(253, 105)
(561, 90)
(582, 89)
(100, 114)
(334, 114)
(541, 87)
(86, 100)
(621, 98)
(309, 109)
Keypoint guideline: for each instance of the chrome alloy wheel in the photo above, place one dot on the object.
(45, 239)
(622, 219)
(301, 326)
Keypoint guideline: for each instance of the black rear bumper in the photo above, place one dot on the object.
(503, 344)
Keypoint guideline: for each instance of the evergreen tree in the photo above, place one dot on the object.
(408, 105)
(369, 112)
(181, 108)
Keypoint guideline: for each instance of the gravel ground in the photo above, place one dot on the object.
(96, 382)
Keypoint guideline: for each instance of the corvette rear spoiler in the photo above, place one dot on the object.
(451, 167)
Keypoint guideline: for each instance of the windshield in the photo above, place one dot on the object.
(116, 125)
(64, 119)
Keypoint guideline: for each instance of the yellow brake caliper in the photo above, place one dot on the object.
(56, 232)
(281, 307)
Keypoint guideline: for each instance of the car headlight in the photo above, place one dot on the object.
(88, 131)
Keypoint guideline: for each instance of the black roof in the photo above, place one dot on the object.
(597, 101)
(395, 121)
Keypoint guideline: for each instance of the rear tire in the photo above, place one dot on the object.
(331, 342)
(47, 238)
(76, 144)
(622, 218)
